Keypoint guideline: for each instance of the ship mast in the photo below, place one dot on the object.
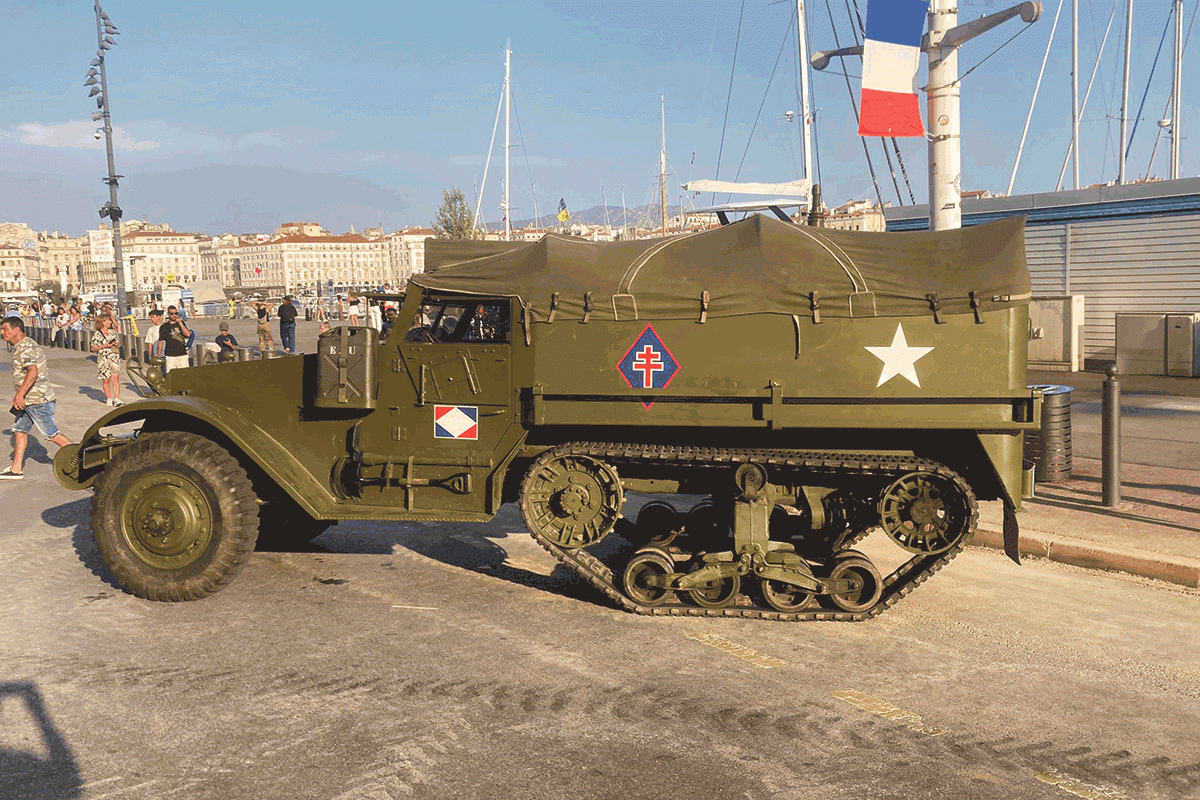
(662, 165)
(507, 98)
(804, 105)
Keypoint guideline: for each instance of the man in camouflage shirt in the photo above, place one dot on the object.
(33, 400)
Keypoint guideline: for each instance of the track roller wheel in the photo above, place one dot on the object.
(866, 584)
(785, 597)
(717, 593)
(658, 523)
(642, 577)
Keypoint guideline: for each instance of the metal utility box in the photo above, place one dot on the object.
(1183, 345)
(1056, 332)
(1158, 344)
(346, 368)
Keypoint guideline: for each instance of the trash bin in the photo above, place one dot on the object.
(1050, 448)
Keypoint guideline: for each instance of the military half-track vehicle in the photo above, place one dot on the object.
(803, 386)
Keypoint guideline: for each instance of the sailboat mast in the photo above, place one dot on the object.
(1125, 90)
(1176, 88)
(805, 121)
(507, 99)
(1075, 90)
(662, 164)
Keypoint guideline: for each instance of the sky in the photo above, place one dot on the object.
(235, 117)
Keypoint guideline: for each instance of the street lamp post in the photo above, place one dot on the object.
(105, 31)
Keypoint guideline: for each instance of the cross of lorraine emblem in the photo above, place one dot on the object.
(648, 364)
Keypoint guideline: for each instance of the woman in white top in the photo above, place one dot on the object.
(354, 309)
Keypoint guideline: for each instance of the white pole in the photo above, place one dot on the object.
(1176, 89)
(1075, 90)
(945, 142)
(1125, 90)
(507, 98)
(662, 163)
(805, 121)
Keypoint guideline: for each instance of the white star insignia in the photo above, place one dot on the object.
(899, 359)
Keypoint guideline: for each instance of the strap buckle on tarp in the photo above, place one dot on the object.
(704, 299)
(814, 305)
(553, 306)
(588, 305)
(935, 305)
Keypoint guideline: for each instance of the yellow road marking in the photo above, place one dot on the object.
(1079, 788)
(882, 708)
(740, 651)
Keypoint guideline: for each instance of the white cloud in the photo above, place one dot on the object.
(140, 135)
(477, 160)
(259, 139)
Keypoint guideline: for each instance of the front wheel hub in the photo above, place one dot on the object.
(167, 520)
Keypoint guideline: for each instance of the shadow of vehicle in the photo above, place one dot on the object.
(26, 774)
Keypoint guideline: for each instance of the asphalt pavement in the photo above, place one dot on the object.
(1153, 532)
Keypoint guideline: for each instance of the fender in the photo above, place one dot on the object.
(77, 466)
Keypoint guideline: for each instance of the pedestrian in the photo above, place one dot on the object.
(265, 340)
(174, 334)
(324, 327)
(389, 322)
(354, 309)
(287, 324)
(62, 321)
(106, 344)
(33, 399)
(151, 339)
(228, 344)
(374, 315)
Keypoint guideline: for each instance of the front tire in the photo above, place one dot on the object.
(174, 517)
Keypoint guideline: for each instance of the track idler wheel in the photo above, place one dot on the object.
(571, 500)
(864, 584)
(925, 512)
(647, 577)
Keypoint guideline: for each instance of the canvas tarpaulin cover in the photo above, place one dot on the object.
(755, 266)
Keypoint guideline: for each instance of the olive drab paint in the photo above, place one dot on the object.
(812, 385)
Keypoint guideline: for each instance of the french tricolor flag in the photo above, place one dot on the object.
(891, 53)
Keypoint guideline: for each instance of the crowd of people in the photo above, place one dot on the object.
(168, 337)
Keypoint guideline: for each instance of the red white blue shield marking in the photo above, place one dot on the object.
(648, 364)
(455, 422)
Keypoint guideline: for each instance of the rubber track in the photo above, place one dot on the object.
(897, 585)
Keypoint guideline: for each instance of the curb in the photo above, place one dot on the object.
(1179, 570)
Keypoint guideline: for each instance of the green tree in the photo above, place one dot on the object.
(42, 288)
(454, 218)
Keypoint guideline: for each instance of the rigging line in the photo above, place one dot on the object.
(1154, 66)
(488, 162)
(907, 184)
(1170, 98)
(895, 145)
(528, 170)
(1022, 30)
(729, 96)
(758, 116)
(1088, 92)
(854, 105)
(882, 142)
(1017, 161)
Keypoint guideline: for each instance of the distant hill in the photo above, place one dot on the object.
(645, 217)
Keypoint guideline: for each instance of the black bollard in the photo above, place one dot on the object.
(1110, 427)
